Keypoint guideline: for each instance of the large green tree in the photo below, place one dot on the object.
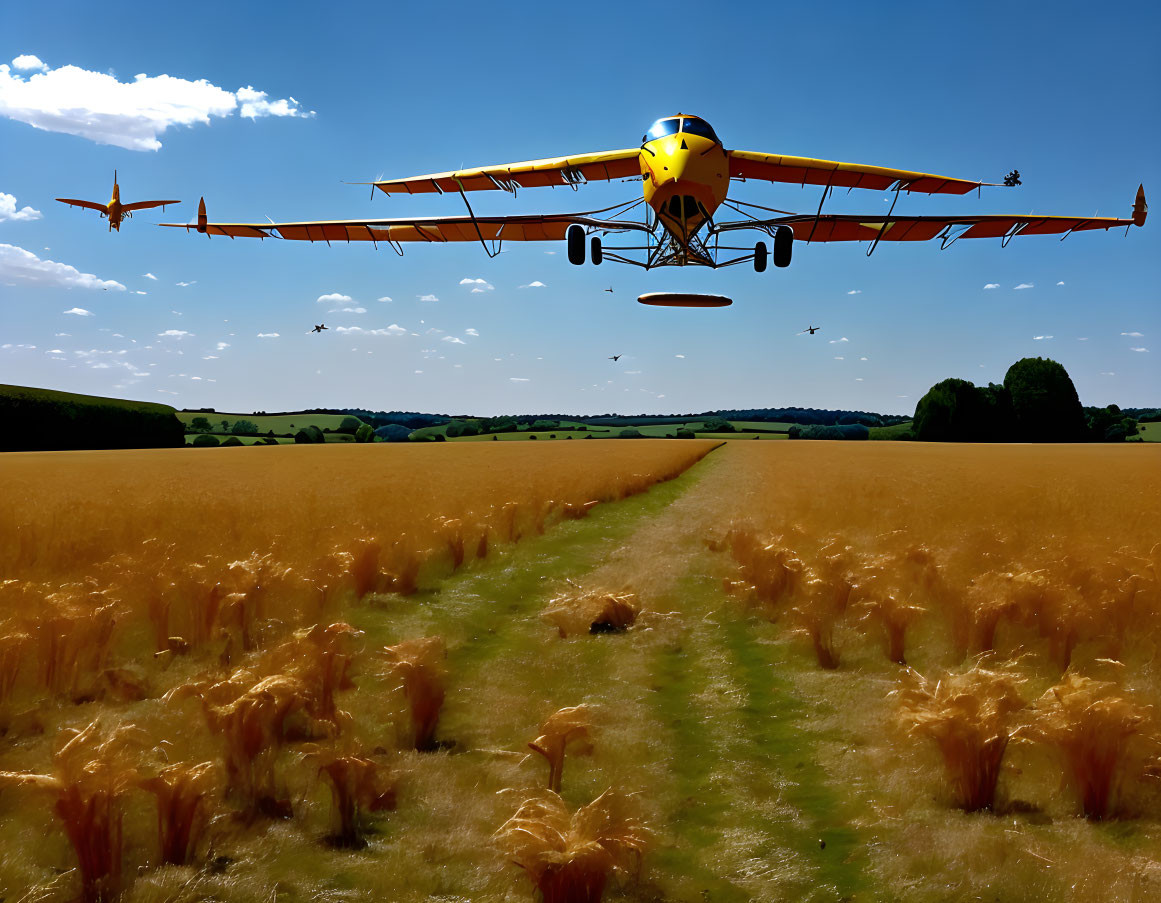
(1045, 406)
(953, 410)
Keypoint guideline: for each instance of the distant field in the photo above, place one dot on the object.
(280, 423)
(889, 432)
(1150, 432)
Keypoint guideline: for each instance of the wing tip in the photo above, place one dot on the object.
(1140, 207)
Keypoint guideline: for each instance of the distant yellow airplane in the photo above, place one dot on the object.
(115, 210)
(687, 173)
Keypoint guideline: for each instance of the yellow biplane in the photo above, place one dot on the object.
(115, 210)
(687, 174)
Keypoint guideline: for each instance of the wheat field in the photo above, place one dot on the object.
(631, 670)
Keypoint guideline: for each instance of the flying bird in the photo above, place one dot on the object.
(614, 357)
(609, 290)
(811, 329)
(115, 210)
(320, 327)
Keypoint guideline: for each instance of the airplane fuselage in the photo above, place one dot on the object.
(113, 208)
(686, 176)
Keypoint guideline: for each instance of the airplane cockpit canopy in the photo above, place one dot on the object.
(671, 125)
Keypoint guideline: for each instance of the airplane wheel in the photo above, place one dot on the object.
(761, 255)
(595, 251)
(576, 244)
(783, 246)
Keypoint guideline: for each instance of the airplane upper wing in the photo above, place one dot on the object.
(808, 171)
(546, 227)
(852, 227)
(90, 204)
(145, 205)
(572, 170)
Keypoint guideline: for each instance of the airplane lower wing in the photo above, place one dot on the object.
(842, 227)
(73, 202)
(809, 171)
(145, 205)
(573, 170)
(548, 227)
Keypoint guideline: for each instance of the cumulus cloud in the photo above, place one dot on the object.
(350, 310)
(175, 333)
(222, 346)
(855, 291)
(1108, 373)
(1083, 338)
(838, 341)
(862, 359)
(1144, 350)
(1024, 285)
(96, 106)
(334, 299)
(8, 210)
(184, 284)
(680, 356)
(19, 264)
(992, 285)
(536, 283)
(385, 299)
(480, 285)
(1041, 338)
(453, 340)
(149, 276)
(79, 312)
(518, 379)
(471, 332)
(139, 292)
(838, 358)
(26, 61)
(1135, 335)
(393, 329)
(428, 298)
(268, 335)
(1060, 283)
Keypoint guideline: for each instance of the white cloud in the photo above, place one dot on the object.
(210, 357)
(862, 359)
(393, 329)
(139, 292)
(184, 284)
(222, 346)
(149, 276)
(268, 335)
(518, 379)
(471, 332)
(838, 341)
(334, 299)
(858, 379)
(1041, 338)
(1083, 338)
(385, 299)
(8, 346)
(19, 264)
(481, 285)
(991, 285)
(80, 312)
(1024, 285)
(176, 333)
(27, 61)
(536, 283)
(682, 356)
(428, 298)
(255, 105)
(1145, 350)
(855, 291)
(837, 358)
(8, 210)
(453, 340)
(1108, 373)
(1135, 335)
(549, 252)
(96, 106)
(350, 310)
(1060, 283)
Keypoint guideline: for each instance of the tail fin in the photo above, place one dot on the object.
(1140, 208)
(202, 219)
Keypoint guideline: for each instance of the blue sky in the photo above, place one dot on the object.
(1068, 93)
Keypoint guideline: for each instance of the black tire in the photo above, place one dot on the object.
(575, 236)
(761, 255)
(783, 246)
(595, 252)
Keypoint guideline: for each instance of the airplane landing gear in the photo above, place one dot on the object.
(575, 236)
(760, 257)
